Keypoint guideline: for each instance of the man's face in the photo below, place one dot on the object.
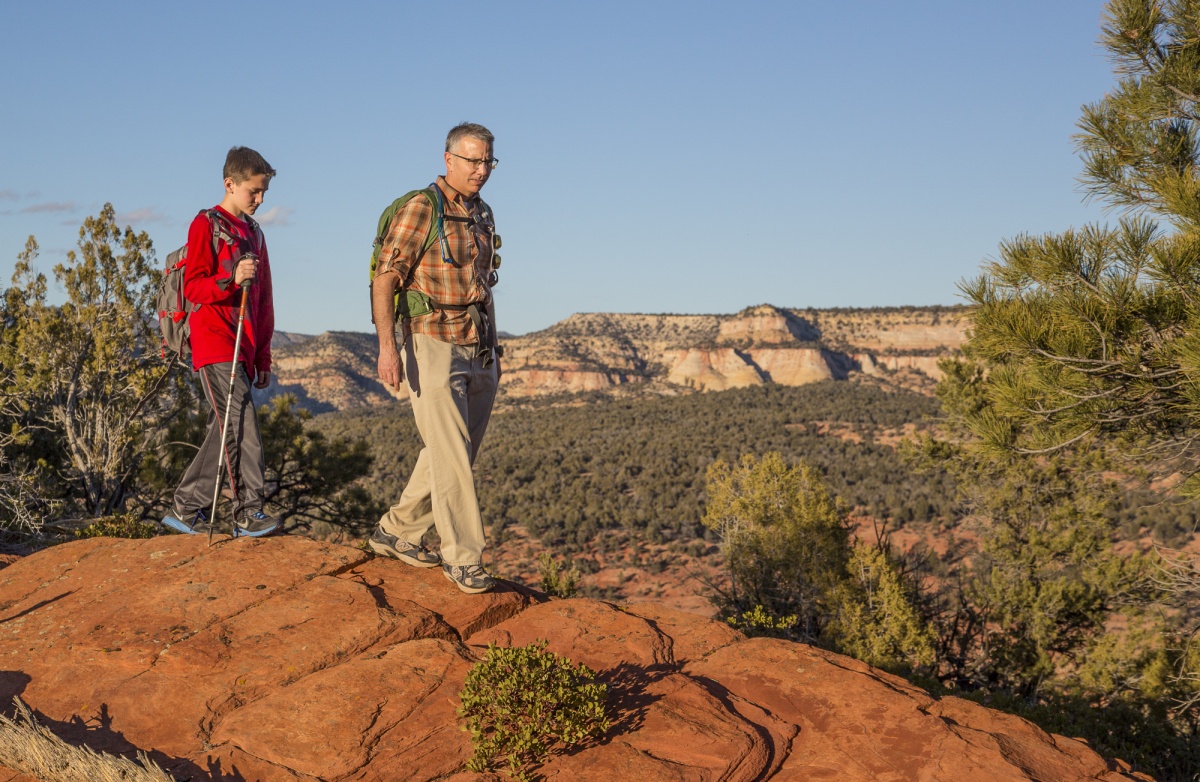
(462, 173)
(247, 196)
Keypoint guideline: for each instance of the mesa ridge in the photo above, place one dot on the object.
(656, 353)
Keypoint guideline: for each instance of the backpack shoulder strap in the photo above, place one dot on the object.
(440, 224)
(487, 210)
(389, 214)
(222, 229)
(434, 196)
(259, 239)
(385, 220)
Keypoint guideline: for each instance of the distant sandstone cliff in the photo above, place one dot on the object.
(657, 353)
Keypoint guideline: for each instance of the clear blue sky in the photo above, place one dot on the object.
(655, 157)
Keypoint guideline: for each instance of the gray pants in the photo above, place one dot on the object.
(452, 395)
(242, 462)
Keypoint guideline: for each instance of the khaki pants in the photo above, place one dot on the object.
(452, 395)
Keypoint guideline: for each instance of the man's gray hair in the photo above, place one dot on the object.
(471, 129)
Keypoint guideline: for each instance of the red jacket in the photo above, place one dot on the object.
(208, 282)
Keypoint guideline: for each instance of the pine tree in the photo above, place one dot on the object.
(1091, 337)
(1046, 581)
(1085, 354)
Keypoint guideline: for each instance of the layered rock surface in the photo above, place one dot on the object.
(287, 659)
(762, 344)
(667, 353)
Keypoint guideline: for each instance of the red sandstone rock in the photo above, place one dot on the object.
(286, 659)
(692, 637)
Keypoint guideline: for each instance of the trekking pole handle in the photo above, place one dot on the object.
(249, 281)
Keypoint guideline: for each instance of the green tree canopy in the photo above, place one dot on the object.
(312, 478)
(1091, 337)
(88, 370)
(795, 571)
(1082, 369)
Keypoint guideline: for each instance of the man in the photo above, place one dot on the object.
(431, 293)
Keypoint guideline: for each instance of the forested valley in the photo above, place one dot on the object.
(567, 469)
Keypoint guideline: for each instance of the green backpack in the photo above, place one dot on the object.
(413, 304)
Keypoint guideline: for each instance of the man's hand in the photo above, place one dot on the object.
(264, 378)
(245, 271)
(391, 370)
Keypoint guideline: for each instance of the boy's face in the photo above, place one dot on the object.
(246, 196)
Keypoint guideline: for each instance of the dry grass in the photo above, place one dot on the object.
(31, 749)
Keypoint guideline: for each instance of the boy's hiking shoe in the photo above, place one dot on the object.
(255, 525)
(471, 579)
(391, 546)
(196, 524)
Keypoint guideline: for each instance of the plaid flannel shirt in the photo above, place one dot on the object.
(464, 281)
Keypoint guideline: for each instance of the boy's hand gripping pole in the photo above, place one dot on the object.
(237, 346)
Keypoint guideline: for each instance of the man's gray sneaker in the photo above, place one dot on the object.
(471, 579)
(391, 546)
(255, 525)
(196, 524)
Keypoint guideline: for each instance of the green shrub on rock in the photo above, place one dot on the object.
(785, 541)
(519, 702)
(558, 580)
(876, 617)
(795, 572)
(757, 621)
(125, 525)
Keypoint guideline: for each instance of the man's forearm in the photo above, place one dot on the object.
(383, 289)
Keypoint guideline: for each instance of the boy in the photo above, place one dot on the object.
(214, 281)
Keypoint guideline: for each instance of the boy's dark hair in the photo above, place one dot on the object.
(242, 163)
(472, 129)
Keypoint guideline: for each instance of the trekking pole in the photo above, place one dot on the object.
(237, 345)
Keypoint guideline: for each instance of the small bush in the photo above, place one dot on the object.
(123, 526)
(757, 621)
(519, 702)
(795, 572)
(875, 615)
(785, 540)
(557, 581)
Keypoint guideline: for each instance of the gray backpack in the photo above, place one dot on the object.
(173, 306)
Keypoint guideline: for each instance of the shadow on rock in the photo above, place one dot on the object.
(214, 773)
(36, 606)
(628, 698)
(97, 734)
(12, 684)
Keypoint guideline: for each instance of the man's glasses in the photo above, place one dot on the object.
(475, 162)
